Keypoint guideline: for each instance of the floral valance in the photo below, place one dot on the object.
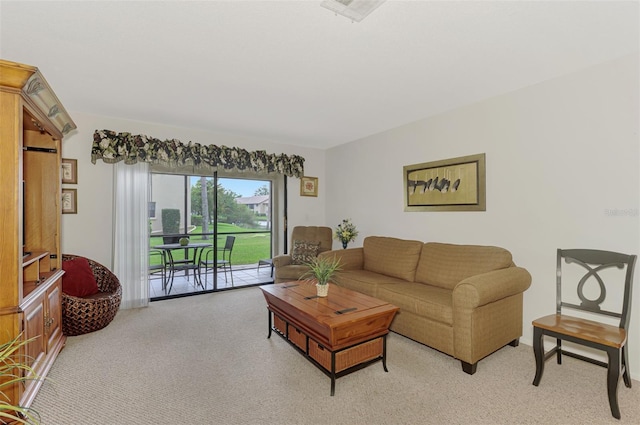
(113, 147)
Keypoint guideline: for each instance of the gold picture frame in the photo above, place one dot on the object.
(455, 184)
(308, 186)
(69, 201)
(69, 171)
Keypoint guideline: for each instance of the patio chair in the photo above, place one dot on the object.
(223, 260)
(157, 256)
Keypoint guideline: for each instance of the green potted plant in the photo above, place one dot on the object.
(14, 370)
(321, 270)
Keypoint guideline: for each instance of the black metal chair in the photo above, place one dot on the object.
(157, 265)
(593, 267)
(185, 266)
(220, 261)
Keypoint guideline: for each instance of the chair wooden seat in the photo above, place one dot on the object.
(596, 332)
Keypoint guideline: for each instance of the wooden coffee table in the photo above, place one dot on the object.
(340, 334)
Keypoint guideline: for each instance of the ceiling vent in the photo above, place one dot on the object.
(356, 10)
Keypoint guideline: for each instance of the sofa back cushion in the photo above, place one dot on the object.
(391, 256)
(445, 265)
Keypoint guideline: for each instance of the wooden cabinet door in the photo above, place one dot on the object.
(53, 318)
(36, 350)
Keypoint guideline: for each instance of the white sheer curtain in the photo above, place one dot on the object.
(131, 232)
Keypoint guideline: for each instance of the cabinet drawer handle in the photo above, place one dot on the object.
(48, 321)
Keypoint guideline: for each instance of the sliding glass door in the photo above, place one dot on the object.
(209, 233)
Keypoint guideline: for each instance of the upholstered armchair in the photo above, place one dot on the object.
(306, 243)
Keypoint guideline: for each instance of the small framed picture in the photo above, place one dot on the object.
(308, 186)
(69, 201)
(69, 171)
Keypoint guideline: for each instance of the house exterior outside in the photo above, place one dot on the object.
(258, 204)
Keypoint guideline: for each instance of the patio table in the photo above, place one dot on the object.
(177, 265)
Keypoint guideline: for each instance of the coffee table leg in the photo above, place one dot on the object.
(384, 353)
(269, 312)
(333, 373)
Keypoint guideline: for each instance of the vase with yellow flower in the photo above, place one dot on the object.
(346, 232)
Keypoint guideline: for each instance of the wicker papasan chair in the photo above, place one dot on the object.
(84, 315)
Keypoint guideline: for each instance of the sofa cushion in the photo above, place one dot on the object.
(420, 299)
(446, 265)
(391, 256)
(304, 251)
(363, 281)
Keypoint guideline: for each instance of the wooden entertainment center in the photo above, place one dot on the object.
(33, 124)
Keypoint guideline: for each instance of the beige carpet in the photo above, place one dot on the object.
(206, 360)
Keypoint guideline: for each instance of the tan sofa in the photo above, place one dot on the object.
(463, 300)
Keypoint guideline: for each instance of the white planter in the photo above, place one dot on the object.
(322, 290)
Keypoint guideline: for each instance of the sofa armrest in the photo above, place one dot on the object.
(350, 258)
(488, 287)
(281, 260)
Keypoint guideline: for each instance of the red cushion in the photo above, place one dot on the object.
(78, 279)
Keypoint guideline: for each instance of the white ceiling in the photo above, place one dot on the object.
(292, 71)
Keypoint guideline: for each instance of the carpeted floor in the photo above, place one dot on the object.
(206, 360)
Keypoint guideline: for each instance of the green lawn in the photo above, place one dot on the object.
(248, 247)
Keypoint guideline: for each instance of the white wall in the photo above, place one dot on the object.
(560, 155)
(89, 233)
